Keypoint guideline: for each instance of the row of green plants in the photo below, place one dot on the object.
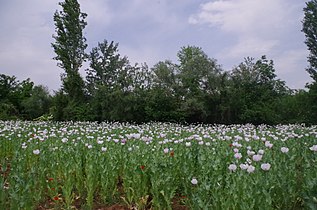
(83, 165)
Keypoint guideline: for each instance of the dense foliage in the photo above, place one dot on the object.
(194, 90)
(310, 30)
(22, 99)
(69, 46)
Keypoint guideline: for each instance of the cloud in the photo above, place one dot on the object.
(25, 45)
(98, 13)
(144, 28)
(252, 46)
(257, 26)
(291, 67)
(289, 59)
(140, 55)
(243, 16)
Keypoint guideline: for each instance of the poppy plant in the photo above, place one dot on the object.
(148, 172)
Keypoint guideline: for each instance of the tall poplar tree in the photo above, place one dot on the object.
(69, 46)
(310, 30)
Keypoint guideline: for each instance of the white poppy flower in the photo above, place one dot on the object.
(250, 169)
(232, 167)
(284, 149)
(265, 166)
(257, 158)
(194, 181)
(36, 152)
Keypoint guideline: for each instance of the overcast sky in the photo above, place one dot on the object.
(154, 30)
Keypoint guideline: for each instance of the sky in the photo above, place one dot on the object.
(155, 30)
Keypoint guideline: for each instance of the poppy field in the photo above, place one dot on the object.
(87, 165)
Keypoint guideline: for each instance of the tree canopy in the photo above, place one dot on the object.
(69, 46)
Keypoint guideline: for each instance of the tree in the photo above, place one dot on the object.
(254, 91)
(8, 85)
(200, 80)
(163, 101)
(108, 80)
(197, 71)
(310, 30)
(22, 99)
(295, 107)
(165, 75)
(69, 46)
(8, 97)
(38, 103)
(106, 68)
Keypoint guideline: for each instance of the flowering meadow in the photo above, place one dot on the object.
(81, 165)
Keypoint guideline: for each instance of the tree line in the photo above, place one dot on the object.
(195, 89)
